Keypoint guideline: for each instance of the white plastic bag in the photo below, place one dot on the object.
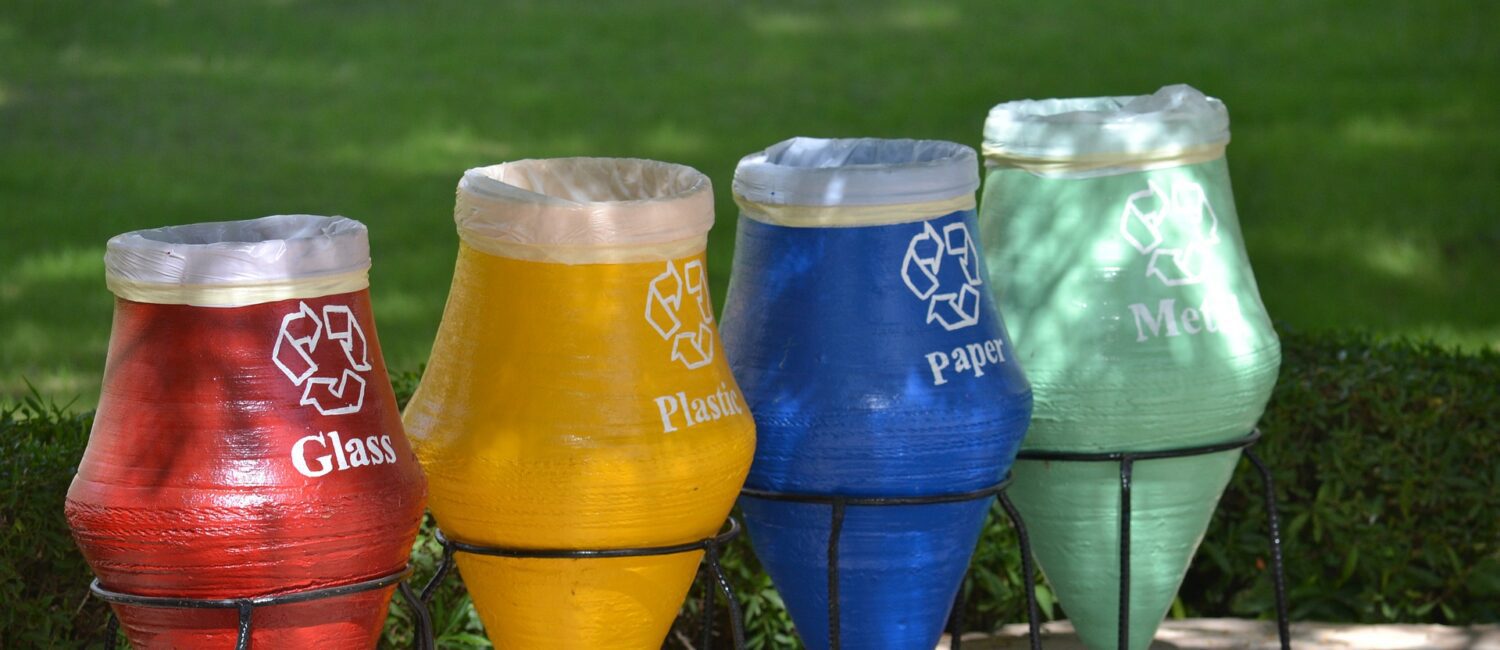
(237, 263)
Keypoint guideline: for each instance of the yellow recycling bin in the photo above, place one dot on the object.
(577, 398)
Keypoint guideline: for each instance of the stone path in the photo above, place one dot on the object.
(1236, 634)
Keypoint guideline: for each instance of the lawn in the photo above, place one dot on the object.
(1366, 154)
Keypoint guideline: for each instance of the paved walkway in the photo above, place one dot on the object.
(1236, 634)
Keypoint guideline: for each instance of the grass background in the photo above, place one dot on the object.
(1366, 157)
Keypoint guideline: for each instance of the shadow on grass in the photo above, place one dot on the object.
(1364, 175)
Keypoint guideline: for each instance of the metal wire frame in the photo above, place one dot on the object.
(839, 504)
(1127, 460)
(246, 606)
(709, 545)
(1028, 574)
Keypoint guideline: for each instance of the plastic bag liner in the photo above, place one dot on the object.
(816, 182)
(237, 263)
(1176, 125)
(585, 210)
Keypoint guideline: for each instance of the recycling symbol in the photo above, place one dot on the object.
(952, 300)
(666, 310)
(1176, 227)
(325, 354)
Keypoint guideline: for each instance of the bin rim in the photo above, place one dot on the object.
(234, 263)
(1174, 119)
(830, 172)
(583, 207)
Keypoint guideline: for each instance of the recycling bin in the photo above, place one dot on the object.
(578, 398)
(247, 442)
(1116, 256)
(859, 322)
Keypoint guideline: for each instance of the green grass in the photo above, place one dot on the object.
(1366, 157)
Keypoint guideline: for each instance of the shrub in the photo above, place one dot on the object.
(1386, 457)
(43, 579)
(1386, 461)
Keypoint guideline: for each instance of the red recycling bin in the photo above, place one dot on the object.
(247, 441)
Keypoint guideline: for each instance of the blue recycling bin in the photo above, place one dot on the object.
(869, 350)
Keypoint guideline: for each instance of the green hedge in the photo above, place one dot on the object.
(43, 580)
(1386, 458)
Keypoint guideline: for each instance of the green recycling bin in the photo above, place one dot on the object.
(1115, 254)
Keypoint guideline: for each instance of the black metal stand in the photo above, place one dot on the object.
(246, 606)
(710, 547)
(1127, 460)
(840, 504)
(1028, 575)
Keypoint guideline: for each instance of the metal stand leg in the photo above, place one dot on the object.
(247, 612)
(426, 634)
(422, 636)
(705, 609)
(1127, 471)
(835, 531)
(1028, 571)
(111, 632)
(1028, 574)
(713, 579)
(1278, 576)
(444, 566)
(956, 620)
(736, 617)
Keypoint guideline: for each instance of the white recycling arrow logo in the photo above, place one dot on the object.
(953, 307)
(1176, 227)
(666, 306)
(331, 389)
